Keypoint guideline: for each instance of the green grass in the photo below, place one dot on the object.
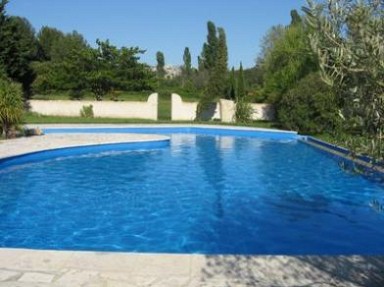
(88, 96)
(32, 118)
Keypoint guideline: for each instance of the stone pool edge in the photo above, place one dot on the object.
(27, 268)
(14, 150)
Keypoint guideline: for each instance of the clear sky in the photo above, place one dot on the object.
(163, 25)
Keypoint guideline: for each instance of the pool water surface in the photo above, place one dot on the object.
(203, 193)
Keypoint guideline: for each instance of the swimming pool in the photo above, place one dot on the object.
(211, 191)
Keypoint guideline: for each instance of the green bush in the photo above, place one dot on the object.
(310, 107)
(11, 106)
(243, 112)
(87, 112)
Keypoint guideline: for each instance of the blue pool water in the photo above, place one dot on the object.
(202, 193)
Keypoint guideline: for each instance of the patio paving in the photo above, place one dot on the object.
(27, 268)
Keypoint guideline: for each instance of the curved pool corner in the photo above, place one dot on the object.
(36, 149)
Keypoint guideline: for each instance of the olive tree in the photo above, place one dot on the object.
(347, 37)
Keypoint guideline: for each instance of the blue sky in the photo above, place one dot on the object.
(163, 25)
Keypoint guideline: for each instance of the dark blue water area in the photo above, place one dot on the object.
(202, 194)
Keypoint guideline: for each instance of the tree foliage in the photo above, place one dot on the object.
(310, 107)
(232, 85)
(18, 48)
(217, 84)
(289, 60)
(187, 59)
(47, 38)
(348, 38)
(208, 55)
(243, 109)
(213, 63)
(160, 64)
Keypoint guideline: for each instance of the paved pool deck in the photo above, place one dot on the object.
(32, 144)
(35, 268)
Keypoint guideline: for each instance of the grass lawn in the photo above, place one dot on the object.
(32, 118)
(115, 96)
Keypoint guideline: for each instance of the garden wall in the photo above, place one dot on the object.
(105, 109)
(260, 112)
(224, 110)
(184, 111)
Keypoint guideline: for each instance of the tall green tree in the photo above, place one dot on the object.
(70, 59)
(18, 48)
(289, 60)
(232, 85)
(217, 84)
(47, 38)
(240, 83)
(208, 54)
(187, 59)
(160, 64)
(243, 109)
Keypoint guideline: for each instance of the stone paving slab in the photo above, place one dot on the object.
(19, 146)
(30, 268)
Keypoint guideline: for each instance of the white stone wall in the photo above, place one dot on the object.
(265, 112)
(184, 111)
(227, 109)
(105, 109)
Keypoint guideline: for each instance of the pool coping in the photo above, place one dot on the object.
(360, 161)
(207, 126)
(53, 142)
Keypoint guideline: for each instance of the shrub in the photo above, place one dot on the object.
(11, 106)
(310, 107)
(87, 112)
(243, 112)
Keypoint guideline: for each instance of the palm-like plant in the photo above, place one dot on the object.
(11, 106)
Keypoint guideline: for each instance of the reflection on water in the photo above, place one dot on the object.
(210, 155)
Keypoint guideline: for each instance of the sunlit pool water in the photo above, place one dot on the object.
(201, 194)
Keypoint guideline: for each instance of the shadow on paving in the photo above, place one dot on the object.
(293, 271)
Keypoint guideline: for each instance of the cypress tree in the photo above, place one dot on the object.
(221, 63)
(232, 85)
(211, 48)
(243, 109)
(218, 76)
(208, 53)
(187, 62)
(160, 64)
(240, 84)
